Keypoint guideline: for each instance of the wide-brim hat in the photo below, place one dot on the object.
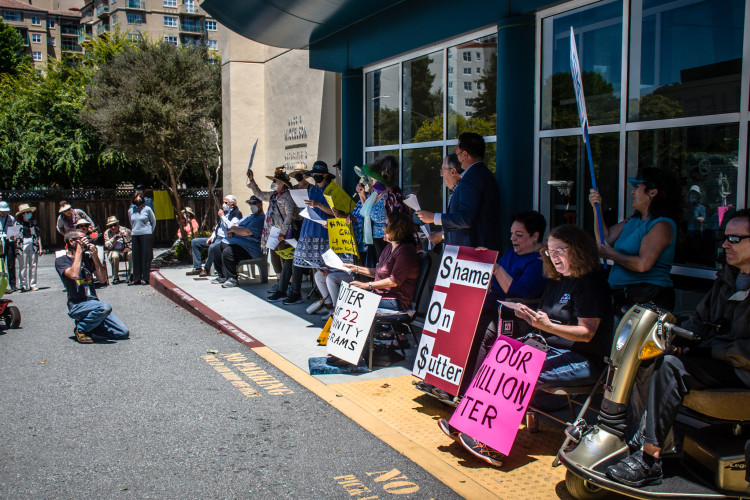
(189, 210)
(23, 208)
(280, 176)
(300, 167)
(320, 167)
(82, 222)
(64, 208)
(371, 173)
(111, 221)
(4, 207)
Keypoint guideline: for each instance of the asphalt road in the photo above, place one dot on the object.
(160, 416)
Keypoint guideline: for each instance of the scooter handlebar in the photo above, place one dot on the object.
(685, 334)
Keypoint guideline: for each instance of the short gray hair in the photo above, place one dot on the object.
(232, 199)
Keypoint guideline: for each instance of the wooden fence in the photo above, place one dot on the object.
(99, 204)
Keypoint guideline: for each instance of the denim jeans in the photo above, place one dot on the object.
(563, 368)
(214, 252)
(96, 319)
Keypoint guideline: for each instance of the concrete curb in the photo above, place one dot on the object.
(183, 299)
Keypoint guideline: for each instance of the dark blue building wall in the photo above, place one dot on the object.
(416, 24)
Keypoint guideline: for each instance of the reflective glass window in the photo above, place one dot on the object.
(704, 161)
(598, 31)
(423, 98)
(566, 180)
(690, 58)
(421, 176)
(381, 105)
(472, 103)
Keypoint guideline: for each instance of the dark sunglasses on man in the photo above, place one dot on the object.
(735, 238)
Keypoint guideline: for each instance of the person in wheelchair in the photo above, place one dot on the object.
(573, 319)
(721, 359)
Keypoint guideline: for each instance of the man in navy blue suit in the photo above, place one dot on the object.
(473, 217)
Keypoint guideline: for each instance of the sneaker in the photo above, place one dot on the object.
(115, 281)
(82, 337)
(448, 429)
(634, 471)
(230, 283)
(194, 272)
(276, 296)
(34, 288)
(203, 273)
(273, 289)
(294, 298)
(481, 450)
(218, 280)
(441, 394)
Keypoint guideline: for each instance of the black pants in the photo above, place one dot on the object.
(10, 261)
(673, 378)
(143, 254)
(231, 255)
(642, 293)
(287, 269)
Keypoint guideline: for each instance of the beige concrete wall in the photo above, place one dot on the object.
(272, 95)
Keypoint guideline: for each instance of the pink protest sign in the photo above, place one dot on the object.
(497, 398)
(722, 211)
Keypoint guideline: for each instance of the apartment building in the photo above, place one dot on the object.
(47, 33)
(179, 22)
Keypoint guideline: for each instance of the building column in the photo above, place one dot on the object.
(516, 58)
(351, 126)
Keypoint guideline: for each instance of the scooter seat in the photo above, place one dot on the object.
(725, 404)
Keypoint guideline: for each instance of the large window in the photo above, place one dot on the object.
(416, 106)
(663, 86)
(170, 21)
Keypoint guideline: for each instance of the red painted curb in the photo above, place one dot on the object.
(183, 299)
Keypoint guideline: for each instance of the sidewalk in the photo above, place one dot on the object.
(383, 401)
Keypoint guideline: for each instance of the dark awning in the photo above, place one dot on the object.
(292, 24)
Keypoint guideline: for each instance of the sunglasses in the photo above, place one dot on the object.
(734, 238)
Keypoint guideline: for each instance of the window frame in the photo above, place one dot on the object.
(34, 56)
(38, 36)
(176, 21)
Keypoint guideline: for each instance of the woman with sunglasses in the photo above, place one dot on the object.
(574, 320)
(642, 246)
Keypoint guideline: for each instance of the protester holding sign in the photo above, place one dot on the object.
(396, 273)
(313, 240)
(282, 214)
(574, 320)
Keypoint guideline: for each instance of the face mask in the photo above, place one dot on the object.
(225, 207)
(378, 187)
(27, 216)
(318, 178)
(298, 177)
(254, 209)
(139, 202)
(274, 186)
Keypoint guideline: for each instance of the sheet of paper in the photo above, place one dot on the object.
(299, 196)
(412, 202)
(13, 231)
(273, 238)
(292, 243)
(333, 261)
(510, 305)
(307, 213)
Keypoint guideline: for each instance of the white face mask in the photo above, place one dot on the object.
(274, 186)
(254, 209)
(225, 207)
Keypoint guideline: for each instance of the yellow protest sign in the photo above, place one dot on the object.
(286, 254)
(341, 200)
(340, 237)
(329, 200)
(163, 206)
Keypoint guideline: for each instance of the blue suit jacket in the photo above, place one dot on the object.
(473, 217)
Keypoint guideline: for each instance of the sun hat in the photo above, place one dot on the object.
(4, 207)
(280, 176)
(111, 221)
(189, 211)
(371, 173)
(64, 208)
(83, 222)
(320, 167)
(23, 208)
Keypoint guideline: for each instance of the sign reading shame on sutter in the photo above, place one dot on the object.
(499, 394)
(460, 288)
(352, 320)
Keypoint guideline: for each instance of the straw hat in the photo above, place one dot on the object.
(82, 222)
(111, 221)
(23, 208)
(189, 211)
(64, 208)
(280, 176)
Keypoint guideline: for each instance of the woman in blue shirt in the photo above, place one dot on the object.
(142, 223)
(642, 246)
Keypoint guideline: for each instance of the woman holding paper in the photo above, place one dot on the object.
(573, 322)
(280, 218)
(642, 246)
(396, 273)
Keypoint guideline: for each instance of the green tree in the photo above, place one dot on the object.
(152, 104)
(12, 58)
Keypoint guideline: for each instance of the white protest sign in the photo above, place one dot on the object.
(352, 320)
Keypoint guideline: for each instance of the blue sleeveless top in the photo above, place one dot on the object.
(629, 243)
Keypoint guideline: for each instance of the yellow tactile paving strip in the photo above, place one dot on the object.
(526, 473)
